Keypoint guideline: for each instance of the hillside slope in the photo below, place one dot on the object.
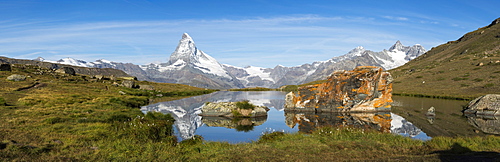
(465, 68)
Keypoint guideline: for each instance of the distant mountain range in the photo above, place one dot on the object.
(191, 66)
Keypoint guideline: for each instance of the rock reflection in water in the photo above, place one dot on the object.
(383, 121)
(240, 124)
(487, 124)
(310, 121)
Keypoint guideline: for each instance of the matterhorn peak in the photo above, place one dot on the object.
(185, 50)
(186, 36)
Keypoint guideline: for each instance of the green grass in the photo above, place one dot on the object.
(245, 104)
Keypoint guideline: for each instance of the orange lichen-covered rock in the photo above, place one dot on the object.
(364, 89)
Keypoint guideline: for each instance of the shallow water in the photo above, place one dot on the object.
(407, 118)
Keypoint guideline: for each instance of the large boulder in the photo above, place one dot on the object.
(16, 77)
(488, 105)
(230, 109)
(364, 89)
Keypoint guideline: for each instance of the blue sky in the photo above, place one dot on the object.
(261, 33)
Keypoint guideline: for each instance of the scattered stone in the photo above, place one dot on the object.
(364, 89)
(487, 105)
(229, 109)
(147, 87)
(128, 83)
(115, 84)
(16, 77)
(122, 93)
(480, 64)
(57, 141)
(5, 67)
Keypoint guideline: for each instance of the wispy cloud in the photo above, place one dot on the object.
(396, 18)
(262, 41)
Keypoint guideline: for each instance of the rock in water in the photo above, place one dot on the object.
(364, 89)
(230, 109)
(488, 105)
(16, 77)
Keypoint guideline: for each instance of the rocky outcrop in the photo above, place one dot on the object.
(364, 89)
(487, 105)
(230, 109)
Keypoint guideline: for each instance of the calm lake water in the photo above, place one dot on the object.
(408, 118)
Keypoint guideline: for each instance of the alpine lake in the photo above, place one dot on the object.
(409, 117)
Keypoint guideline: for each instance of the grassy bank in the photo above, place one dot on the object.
(58, 117)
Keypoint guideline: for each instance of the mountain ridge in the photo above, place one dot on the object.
(190, 65)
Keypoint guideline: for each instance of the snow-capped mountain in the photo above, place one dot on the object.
(190, 65)
(397, 55)
(68, 61)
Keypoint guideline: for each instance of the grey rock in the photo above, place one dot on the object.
(226, 109)
(16, 77)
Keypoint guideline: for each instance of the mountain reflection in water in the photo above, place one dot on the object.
(188, 123)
